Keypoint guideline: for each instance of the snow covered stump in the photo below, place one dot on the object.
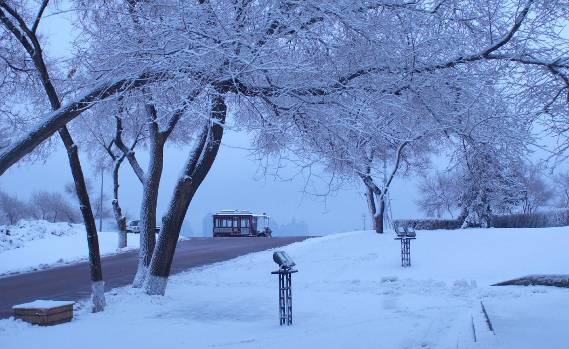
(285, 286)
(44, 312)
(405, 234)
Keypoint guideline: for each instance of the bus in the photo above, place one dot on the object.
(235, 223)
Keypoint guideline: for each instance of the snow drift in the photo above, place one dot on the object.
(17, 235)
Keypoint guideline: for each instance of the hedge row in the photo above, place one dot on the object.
(427, 224)
(557, 218)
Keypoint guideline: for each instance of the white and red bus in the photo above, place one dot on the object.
(235, 223)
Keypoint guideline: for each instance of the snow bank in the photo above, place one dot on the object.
(350, 292)
(17, 235)
(33, 245)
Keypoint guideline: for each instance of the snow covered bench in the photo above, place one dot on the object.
(44, 312)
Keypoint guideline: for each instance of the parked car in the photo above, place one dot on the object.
(134, 227)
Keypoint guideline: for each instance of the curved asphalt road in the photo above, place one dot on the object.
(71, 282)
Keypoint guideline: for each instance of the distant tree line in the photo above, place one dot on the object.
(43, 205)
(48, 206)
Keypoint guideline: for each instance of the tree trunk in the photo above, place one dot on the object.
(149, 203)
(378, 221)
(371, 205)
(119, 218)
(196, 169)
(96, 273)
(376, 215)
(34, 50)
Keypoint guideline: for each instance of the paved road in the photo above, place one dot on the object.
(71, 282)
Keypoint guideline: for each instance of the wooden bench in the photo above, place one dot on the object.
(44, 312)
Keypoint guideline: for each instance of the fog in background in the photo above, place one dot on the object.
(236, 181)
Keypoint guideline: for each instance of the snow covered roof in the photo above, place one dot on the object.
(42, 304)
(239, 213)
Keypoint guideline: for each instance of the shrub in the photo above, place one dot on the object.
(557, 218)
(427, 223)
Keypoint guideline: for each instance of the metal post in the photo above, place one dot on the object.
(405, 234)
(405, 252)
(285, 295)
(408, 252)
(288, 299)
(282, 300)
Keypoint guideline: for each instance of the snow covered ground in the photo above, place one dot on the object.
(19, 234)
(33, 245)
(350, 292)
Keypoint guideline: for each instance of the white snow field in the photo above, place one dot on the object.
(350, 292)
(34, 245)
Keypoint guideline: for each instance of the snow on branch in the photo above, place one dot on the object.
(60, 117)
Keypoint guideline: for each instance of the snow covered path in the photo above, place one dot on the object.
(350, 292)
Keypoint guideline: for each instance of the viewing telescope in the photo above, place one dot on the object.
(283, 260)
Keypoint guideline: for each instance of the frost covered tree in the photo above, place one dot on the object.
(245, 62)
(561, 188)
(36, 80)
(168, 114)
(13, 209)
(536, 192)
(480, 189)
(109, 139)
(458, 39)
(439, 195)
(53, 207)
(372, 157)
(489, 184)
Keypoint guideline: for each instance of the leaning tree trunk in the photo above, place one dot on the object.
(117, 211)
(148, 206)
(31, 44)
(195, 171)
(96, 273)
